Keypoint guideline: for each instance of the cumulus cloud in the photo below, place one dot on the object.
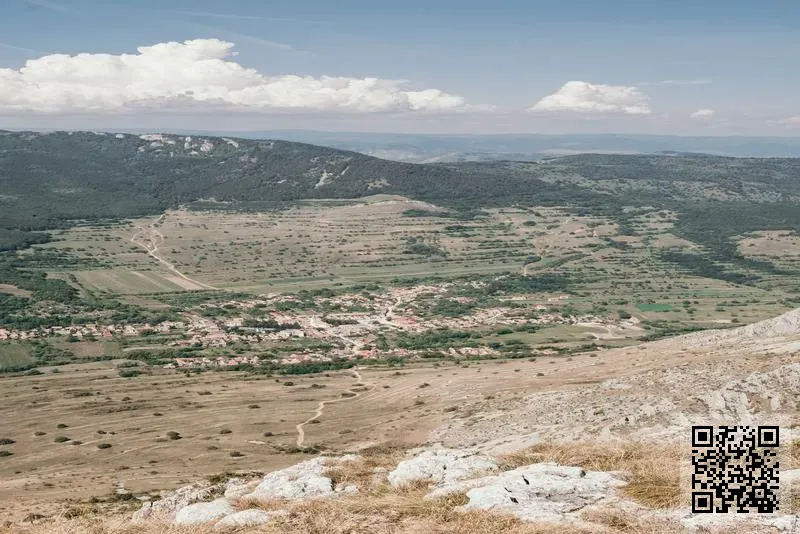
(702, 114)
(588, 98)
(192, 74)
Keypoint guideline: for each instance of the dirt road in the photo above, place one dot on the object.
(149, 237)
(301, 435)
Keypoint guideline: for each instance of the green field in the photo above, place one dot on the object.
(14, 356)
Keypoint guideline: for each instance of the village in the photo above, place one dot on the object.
(349, 330)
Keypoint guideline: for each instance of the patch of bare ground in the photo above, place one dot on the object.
(14, 290)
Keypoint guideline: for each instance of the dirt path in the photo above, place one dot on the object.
(301, 435)
(149, 238)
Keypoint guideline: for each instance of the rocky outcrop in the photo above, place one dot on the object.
(305, 480)
(166, 507)
(441, 466)
(186, 506)
(539, 492)
(236, 488)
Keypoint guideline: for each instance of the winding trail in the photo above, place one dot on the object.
(301, 435)
(149, 238)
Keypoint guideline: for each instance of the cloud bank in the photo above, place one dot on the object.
(196, 74)
(588, 98)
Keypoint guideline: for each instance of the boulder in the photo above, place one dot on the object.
(236, 488)
(302, 481)
(166, 507)
(540, 492)
(441, 466)
(204, 512)
(245, 518)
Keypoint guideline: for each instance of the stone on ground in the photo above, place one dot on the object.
(441, 466)
(539, 492)
(245, 518)
(204, 512)
(166, 507)
(305, 480)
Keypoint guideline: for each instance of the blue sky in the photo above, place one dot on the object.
(662, 66)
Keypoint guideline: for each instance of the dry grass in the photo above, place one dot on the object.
(626, 522)
(403, 511)
(379, 512)
(361, 472)
(653, 471)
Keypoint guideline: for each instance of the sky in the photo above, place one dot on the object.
(677, 67)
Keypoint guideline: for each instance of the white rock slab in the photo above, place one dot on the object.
(441, 466)
(245, 518)
(539, 492)
(204, 512)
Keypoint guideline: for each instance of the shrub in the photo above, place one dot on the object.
(173, 435)
(129, 373)
(39, 433)
(61, 439)
(7, 441)
(61, 425)
(236, 454)
(268, 434)
(104, 446)
(3, 454)
(225, 431)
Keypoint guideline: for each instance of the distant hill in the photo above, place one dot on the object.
(49, 180)
(429, 148)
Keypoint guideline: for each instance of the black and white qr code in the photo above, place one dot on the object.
(735, 469)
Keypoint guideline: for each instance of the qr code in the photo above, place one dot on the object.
(735, 468)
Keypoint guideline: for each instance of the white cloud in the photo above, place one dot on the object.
(196, 74)
(702, 114)
(588, 98)
(789, 122)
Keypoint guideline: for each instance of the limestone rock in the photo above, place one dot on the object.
(302, 481)
(236, 488)
(346, 489)
(204, 512)
(166, 507)
(539, 492)
(245, 518)
(143, 513)
(441, 466)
